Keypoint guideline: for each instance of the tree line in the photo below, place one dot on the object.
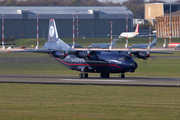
(55, 3)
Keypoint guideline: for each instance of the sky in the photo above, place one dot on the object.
(119, 1)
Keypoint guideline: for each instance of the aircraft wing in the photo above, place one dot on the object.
(160, 52)
(34, 51)
(132, 52)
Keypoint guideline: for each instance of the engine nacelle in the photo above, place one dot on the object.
(87, 55)
(60, 55)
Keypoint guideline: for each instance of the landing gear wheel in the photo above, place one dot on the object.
(104, 75)
(83, 75)
(122, 75)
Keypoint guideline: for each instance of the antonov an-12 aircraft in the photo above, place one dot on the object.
(130, 34)
(85, 61)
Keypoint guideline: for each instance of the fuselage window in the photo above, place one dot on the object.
(121, 59)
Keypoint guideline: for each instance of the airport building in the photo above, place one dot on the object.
(163, 25)
(159, 15)
(153, 10)
(93, 22)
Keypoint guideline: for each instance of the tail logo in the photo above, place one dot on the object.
(51, 31)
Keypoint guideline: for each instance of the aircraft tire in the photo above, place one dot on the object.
(122, 75)
(102, 75)
(106, 75)
(81, 75)
(86, 75)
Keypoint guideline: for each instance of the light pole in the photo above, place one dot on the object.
(170, 31)
(111, 35)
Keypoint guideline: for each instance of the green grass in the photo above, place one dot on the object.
(35, 101)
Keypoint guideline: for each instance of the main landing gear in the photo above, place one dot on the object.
(104, 75)
(122, 75)
(83, 75)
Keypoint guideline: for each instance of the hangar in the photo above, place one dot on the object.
(93, 22)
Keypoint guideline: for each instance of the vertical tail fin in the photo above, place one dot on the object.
(53, 35)
(114, 42)
(137, 29)
(153, 43)
(54, 43)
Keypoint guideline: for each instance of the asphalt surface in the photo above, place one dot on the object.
(75, 80)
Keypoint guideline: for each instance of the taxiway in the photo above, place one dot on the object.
(128, 81)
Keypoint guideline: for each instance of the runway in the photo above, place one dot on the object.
(75, 80)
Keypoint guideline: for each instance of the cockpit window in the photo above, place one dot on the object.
(126, 58)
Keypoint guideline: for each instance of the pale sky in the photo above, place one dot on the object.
(119, 1)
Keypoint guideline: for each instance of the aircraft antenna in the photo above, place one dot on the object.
(73, 32)
(37, 47)
(111, 35)
(126, 45)
(3, 31)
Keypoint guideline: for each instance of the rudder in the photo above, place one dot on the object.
(53, 35)
(137, 29)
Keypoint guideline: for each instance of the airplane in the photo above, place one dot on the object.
(144, 46)
(95, 61)
(103, 45)
(130, 34)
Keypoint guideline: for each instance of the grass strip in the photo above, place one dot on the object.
(36, 101)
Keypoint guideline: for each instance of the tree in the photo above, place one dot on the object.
(136, 6)
(10, 3)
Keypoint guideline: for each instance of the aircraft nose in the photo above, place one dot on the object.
(134, 65)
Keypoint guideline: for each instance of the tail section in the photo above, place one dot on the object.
(114, 42)
(153, 43)
(137, 29)
(54, 43)
(53, 35)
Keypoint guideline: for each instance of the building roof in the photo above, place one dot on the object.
(45, 12)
